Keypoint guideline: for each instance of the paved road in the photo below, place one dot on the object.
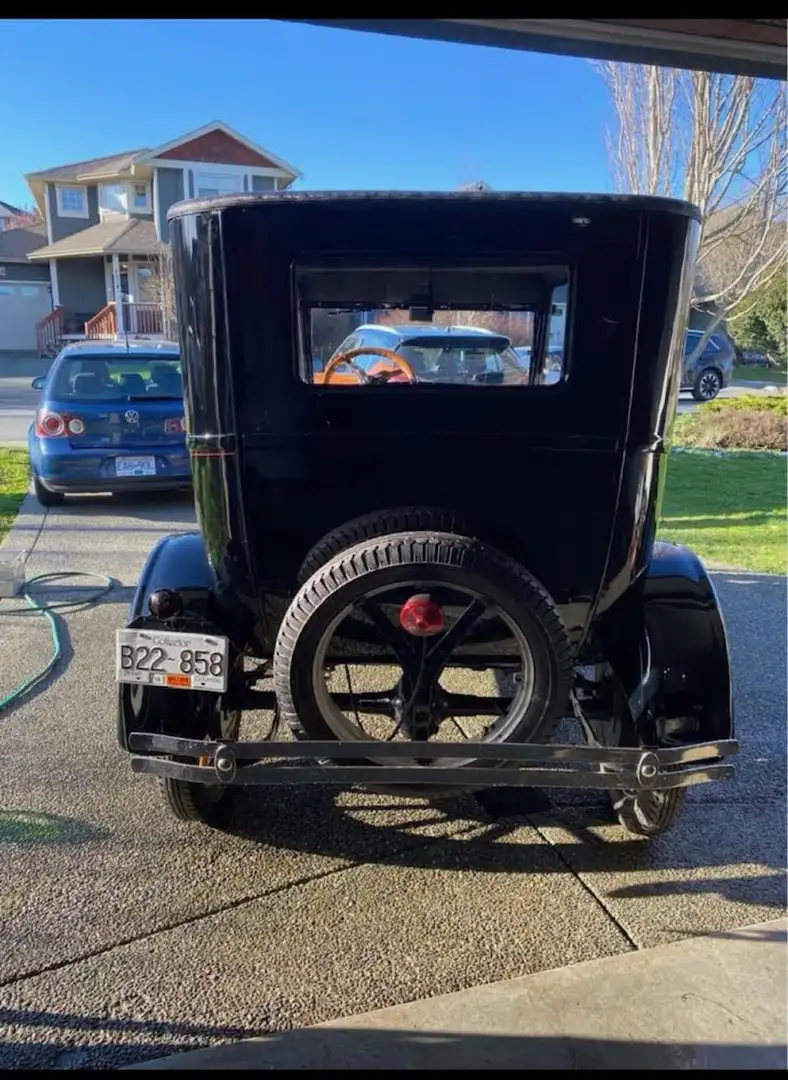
(18, 399)
(127, 935)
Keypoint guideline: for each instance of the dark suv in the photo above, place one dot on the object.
(712, 370)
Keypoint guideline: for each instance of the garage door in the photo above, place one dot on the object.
(22, 305)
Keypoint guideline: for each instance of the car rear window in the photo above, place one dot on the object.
(489, 326)
(111, 378)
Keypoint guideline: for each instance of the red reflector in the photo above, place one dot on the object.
(421, 616)
(175, 425)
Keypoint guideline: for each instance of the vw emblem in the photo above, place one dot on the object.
(131, 416)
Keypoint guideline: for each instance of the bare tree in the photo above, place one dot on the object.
(718, 141)
(27, 216)
(161, 290)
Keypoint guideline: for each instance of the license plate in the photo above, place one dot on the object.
(167, 658)
(135, 466)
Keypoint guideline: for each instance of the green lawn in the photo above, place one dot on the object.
(760, 373)
(731, 510)
(13, 485)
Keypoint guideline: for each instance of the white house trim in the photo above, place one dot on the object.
(49, 212)
(217, 125)
(54, 282)
(61, 212)
(156, 205)
(219, 167)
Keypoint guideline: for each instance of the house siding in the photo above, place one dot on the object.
(218, 148)
(170, 191)
(263, 183)
(81, 285)
(14, 271)
(62, 227)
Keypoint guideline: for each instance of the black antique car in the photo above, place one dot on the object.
(423, 578)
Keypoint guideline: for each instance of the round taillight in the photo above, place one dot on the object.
(52, 424)
(421, 616)
(165, 604)
(76, 427)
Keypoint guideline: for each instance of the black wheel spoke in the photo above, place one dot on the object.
(406, 655)
(454, 636)
(458, 726)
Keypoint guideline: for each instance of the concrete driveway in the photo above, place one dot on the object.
(128, 935)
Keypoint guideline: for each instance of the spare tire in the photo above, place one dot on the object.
(398, 519)
(443, 560)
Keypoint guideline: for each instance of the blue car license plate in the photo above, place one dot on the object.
(135, 466)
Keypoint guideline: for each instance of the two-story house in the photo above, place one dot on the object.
(106, 226)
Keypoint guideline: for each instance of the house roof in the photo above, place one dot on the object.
(117, 164)
(8, 208)
(16, 244)
(82, 170)
(123, 237)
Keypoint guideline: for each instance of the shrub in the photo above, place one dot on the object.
(771, 403)
(732, 429)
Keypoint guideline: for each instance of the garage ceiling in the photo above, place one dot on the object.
(733, 46)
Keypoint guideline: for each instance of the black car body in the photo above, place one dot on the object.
(437, 527)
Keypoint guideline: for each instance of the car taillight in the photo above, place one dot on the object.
(176, 425)
(54, 425)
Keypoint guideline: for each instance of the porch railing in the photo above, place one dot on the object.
(103, 324)
(138, 319)
(48, 331)
(143, 318)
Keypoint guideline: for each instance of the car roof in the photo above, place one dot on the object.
(422, 330)
(120, 348)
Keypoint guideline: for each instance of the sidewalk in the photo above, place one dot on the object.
(701, 1003)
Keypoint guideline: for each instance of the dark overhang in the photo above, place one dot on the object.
(731, 46)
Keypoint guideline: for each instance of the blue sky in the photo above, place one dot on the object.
(350, 110)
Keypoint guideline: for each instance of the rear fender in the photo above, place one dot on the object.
(665, 640)
(177, 562)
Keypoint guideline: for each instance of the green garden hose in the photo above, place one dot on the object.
(46, 610)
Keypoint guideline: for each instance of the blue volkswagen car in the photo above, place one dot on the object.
(110, 419)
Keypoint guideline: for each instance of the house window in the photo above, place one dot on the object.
(112, 198)
(140, 198)
(210, 184)
(72, 201)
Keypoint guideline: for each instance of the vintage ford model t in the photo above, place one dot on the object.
(422, 546)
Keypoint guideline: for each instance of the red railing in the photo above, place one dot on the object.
(48, 331)
(103, 324)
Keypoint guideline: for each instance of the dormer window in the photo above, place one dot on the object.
(72, 201)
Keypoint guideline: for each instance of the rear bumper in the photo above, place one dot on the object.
(526, 765)
(65, 470)
(77, 485)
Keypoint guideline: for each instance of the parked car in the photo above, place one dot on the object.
(409, 562)
(712, 370)
(436, 354)
(553, 366)
(110, 418)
